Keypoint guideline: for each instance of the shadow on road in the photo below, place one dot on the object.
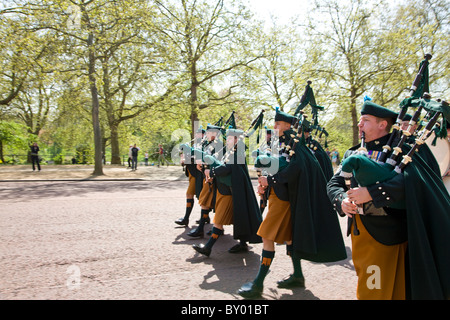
(23, 191)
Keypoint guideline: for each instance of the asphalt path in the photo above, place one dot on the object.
(86, 240)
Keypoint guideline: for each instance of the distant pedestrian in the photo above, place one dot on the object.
(134, 156)
(146, 158)
(35, 156)
(129, 156)
(161, 157)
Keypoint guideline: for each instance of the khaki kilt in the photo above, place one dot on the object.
(277, 225)
(191, 187)
(206, 196)
(224, 209)
(380, 268)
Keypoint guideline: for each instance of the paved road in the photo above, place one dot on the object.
(117, 240)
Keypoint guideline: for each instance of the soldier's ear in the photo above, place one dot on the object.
(382, 124)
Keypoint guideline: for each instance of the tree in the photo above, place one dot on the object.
(126, 70)
(351, 55)
(20, 52)
(422, 26)
(207, 41)
(88, 26)
(12, 133)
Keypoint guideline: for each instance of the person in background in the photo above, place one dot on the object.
(129, 156)
(161, 157)
(35, 157)
(134, 155)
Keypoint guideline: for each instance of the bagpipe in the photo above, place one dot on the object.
(299, 125)
(390, 163)
(316, 130)
(236, 154)
(255, 125)
(271, 164)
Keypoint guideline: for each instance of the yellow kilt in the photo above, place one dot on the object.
(380, 268)
(277, 225)
(206, 195)
(191, 187)
(224, 209)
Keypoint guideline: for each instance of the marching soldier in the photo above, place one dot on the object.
(397, 251)
(235, 199)
(299, 214)
(195, 180)
(207, 194)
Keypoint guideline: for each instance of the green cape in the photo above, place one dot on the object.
(323, 158)
(317, 234)
(246, 211)
(428, 222)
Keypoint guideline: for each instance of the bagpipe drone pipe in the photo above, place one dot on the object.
(299, 124)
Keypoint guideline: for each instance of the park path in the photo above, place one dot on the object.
(115, 238)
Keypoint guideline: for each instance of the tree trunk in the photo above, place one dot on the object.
(98, 165)
(115, 150)
(194, 102)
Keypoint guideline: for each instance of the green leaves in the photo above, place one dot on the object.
(164, 64)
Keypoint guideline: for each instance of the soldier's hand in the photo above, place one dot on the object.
(359, 195)
(207, 177)
(263, 181)
(261, 189)
(348, 207)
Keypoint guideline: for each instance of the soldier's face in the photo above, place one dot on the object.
(210, 135)
(231, 141)
(281, 126)
(405, 125)
(372, 126)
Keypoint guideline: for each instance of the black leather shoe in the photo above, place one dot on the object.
(250, 290)
(292, 282)
(208, 220)
(182, 222)
(200, 248)
(196, 233)
(240, 247)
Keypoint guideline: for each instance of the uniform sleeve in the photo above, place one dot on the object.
(222, 170)
(336, 190)
(283, 175)
(386, 193)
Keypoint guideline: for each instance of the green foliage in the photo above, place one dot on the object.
(159, 66)
(14, 139)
